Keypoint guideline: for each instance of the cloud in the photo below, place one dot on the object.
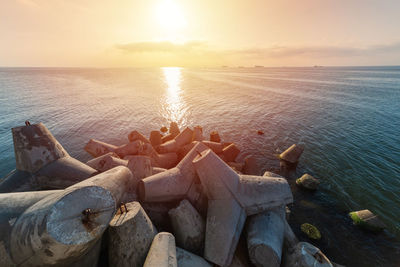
(161, 47)
(269, 52)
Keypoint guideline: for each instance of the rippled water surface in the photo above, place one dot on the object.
(347, 118)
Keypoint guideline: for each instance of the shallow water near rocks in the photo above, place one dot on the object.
(347, 118)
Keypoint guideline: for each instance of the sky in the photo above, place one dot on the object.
(198, 33)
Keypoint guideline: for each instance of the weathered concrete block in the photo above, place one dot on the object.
(158, 213)
(174, 129)
(167, 160)
(167, 138)
(185, 137)
(230, 152)
(155, 170)
(225, 216)
(135, 135)
(197, 134)
(251, 166)
(258, 193)
(162, 251)
(155, 138)
(216, 147)
(214, 137)
(172, 184)
(140, 166)
(97, 148)
(130, 235)
(183, 151)
(132, 148)
(61, 227)
(12, 205)
(91, 258)
(292, 154)
(168, 147)
(265, 233)
(106, 162)
(187, 259)
(306, 255)
(188, 226)
(236, 166)
(272, 174)
(35, 147)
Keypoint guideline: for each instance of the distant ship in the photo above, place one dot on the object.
(317, 66)
(258, 66)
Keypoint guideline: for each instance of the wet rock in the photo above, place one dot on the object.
(130, 235)
(308, 182)
(188, 227)
(162, 252)
(306, 255)
(187, 259)
(292, 154)
(367, 220)
(214, 137)
(310, 230)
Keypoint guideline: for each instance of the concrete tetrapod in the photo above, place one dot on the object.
(265, 232)
(12, 205)
(98, 148)
(130, 235)
(292, 154)
(135, 135)
(106, 162)
(172, 184)
(61, 227)
(162, 252)
(187, 259)
(231, 197)
(198, 133)
(167, 160)
(188, 226)
(41, 162)
(185, 137)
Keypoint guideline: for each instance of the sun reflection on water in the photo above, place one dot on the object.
(174, 105)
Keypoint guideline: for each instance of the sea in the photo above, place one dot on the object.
(347, 118)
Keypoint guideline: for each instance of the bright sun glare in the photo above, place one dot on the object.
(170, 16)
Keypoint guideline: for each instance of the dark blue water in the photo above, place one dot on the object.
(347, 118)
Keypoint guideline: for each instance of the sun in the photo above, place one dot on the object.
(170, 16)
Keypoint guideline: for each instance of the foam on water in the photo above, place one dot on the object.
(348, 119)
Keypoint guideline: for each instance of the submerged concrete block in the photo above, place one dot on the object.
(367, 220)
(292, 154)
(106, 162)
(135, 135)
(230, 152)
(265, 233)
(162, 251)
(198, 133)
(132, 148)
(61, 227)
(97, 148)
(187, 259)
(130, 235)
(172, 184)
(155, 138)
(188, 227)
(214, 137)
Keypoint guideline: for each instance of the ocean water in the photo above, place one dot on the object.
(348, 118)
